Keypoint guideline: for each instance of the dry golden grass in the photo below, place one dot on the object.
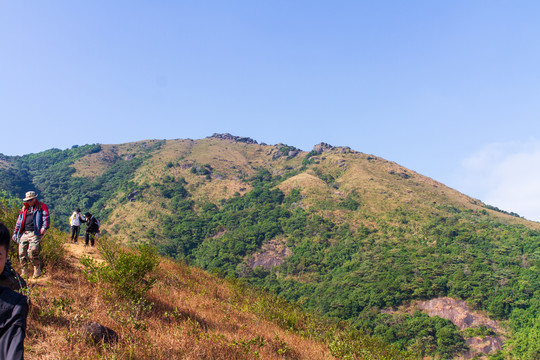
(212, 192)
(305, 182)
(312, 189)
(230, 160)
(384, 186)
(94, 165)
(194, 316)
(231, 163)
(131, 221)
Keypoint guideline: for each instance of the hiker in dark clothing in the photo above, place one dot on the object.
(13, 310)
(92, 228)
(11, 279)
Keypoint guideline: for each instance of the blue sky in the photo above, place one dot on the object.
(448, 89)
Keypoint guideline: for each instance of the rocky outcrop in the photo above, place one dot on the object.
(98, 333)
(403, 174)
(320, 148)
(458, 313)
(271, 254)
(108, 157)
(230, 137)
(282, 150)
(485, 345)
(132, 196)
(345, 150)
(324, 147)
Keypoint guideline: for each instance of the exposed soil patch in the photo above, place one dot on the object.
(458, 313)
(272, 254)
(485, 346)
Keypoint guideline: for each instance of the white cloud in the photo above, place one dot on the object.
(506, 175)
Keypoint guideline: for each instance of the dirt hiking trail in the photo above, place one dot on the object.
(76, 251)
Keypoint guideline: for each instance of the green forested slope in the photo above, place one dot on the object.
(354, 273)
(362, 234)
(52, 175)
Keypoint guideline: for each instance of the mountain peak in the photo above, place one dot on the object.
(227, 136)
(325, 147)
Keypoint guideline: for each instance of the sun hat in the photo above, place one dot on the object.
(30, 195)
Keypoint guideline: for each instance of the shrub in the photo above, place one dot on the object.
(350, 203)
(481, 331)
(124, 274)
(356, 345)
(53, 248)
(9, 209)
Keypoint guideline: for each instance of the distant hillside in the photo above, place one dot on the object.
(345, 233)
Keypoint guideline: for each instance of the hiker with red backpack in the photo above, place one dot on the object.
(32, 223)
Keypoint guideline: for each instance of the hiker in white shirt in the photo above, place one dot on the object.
(75, 223)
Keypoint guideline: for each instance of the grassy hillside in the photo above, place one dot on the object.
(162, 309)
(347, 234)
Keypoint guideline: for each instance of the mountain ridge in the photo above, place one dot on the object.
(275, 154)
